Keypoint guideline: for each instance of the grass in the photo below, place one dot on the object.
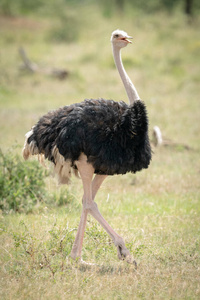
(157, 211)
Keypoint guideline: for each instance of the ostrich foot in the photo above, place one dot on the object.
(124, 254)
(86, 263)
(80, 261)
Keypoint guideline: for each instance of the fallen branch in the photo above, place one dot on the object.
(33, 67)
(158, 141)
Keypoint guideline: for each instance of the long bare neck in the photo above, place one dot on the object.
(129, 86)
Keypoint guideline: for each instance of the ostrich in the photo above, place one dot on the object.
(94, 139)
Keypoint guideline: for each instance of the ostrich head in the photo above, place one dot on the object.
(120, 38)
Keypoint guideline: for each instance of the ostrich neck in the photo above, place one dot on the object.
(129, 86)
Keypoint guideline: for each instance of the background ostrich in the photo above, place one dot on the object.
(101, 137)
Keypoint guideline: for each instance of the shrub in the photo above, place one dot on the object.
(22, 183)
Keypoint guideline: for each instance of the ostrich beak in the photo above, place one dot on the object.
(127, 39)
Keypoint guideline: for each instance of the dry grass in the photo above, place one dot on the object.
(157, 211)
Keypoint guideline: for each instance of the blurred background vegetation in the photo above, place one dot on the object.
(23, 7)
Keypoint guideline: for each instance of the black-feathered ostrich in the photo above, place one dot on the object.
(101, 137)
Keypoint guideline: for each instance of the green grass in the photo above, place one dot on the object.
(157, 211)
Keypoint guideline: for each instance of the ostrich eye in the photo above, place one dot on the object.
(116, 36)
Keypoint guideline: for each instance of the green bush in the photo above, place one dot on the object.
(22, 183)
(22, 186)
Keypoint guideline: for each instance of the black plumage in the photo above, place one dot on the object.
(113, 135)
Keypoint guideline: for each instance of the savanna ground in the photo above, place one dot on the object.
(157, 211)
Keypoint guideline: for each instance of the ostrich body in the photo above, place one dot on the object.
(101, 137)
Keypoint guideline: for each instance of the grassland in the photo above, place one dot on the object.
(157, 211)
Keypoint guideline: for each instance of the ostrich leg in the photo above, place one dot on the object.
(89, 206)
(94, 211)
(77, 246)
(122, 251)
(86, 173)
(96, 183)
